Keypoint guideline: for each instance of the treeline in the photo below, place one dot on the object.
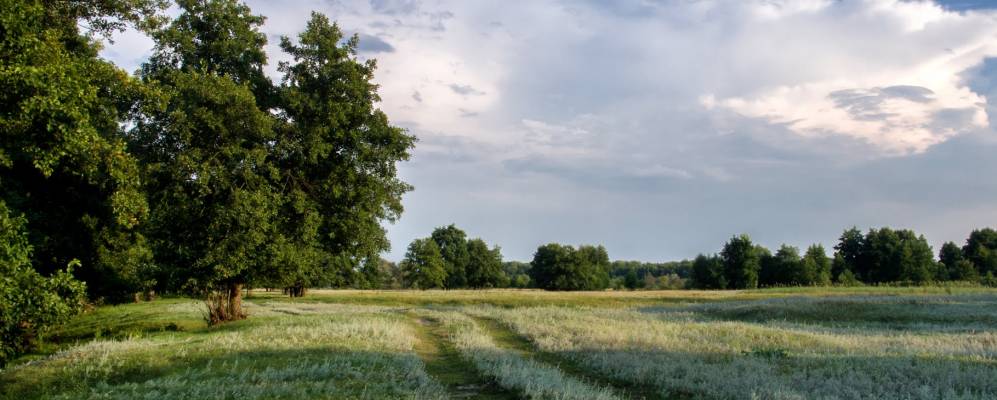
(197, 175)
(447, 259)
(879, 256)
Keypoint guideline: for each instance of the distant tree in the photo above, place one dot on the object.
(981, 250)
(708, 272)
(896, 255)
(848, 252)
(521, 281)
(423, 266)
(741, 262)
(518, 273)
(847, 278)
(949, 256)
(784, 268)
(631, 280)
(453, 245)
(816, 267)
(918, 260)
(559, 267)
(484, 266)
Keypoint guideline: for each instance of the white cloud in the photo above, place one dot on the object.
(667, 114)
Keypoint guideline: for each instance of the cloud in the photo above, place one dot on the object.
(373, 44)
(465, 90)
(661, 128)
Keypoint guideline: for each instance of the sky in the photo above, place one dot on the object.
(660, 129)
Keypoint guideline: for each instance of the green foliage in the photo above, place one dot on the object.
(484, 267)
(981, 250)
(335, 154)
(950, 255)
(631, 281)
(708, 272)
(220, 37)
(787, 267)
(521, 281)
(848, 251)
(887, 255)
(741, 261)
(251, 183)
(63, 163)
(847, 278)
(423, 266)
(779, 269)
(816, 266)
(560, 267)
(213, 206)
(651, 275)
(453, 245)
(30, 303)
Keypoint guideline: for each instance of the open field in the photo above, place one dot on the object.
(824, 343)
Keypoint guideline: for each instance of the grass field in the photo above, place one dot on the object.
(837, 343)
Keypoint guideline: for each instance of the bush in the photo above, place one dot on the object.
(29, 302)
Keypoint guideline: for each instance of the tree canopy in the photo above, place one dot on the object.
(561, 267)
(423, 266)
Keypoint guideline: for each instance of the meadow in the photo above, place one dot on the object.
(794, 343)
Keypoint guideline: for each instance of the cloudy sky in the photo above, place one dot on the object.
(661, 128)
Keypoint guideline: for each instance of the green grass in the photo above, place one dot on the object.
(445, 364)
(511, 298)
(791, 343)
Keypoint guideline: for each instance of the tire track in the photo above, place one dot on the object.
(506, 338)
(444, 363)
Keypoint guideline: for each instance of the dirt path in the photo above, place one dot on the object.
(445, 364)
(510, 340)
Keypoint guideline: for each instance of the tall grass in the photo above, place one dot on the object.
(822, 343)
(354, 352)
(533, 379)
(697, 351)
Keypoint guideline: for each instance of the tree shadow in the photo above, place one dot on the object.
(261, 373)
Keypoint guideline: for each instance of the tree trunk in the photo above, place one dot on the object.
(225, 304)
(235, 301)
(295, 291)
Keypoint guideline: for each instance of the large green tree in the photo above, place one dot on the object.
(956, 266)
(484, 266)
(336, 156)
(981, 250)
(742, 262)
(254, 183)
(815, 267)
(708, 272)
(63, 163)
(783, 268)
(560, 267)
(453, 245)
(423, 266)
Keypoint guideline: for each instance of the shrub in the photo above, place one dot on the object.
(29, 302)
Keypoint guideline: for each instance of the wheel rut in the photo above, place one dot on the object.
(445, 365)
(505, 337)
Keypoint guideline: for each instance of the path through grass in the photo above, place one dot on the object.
(507, 338)
(445, 364)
